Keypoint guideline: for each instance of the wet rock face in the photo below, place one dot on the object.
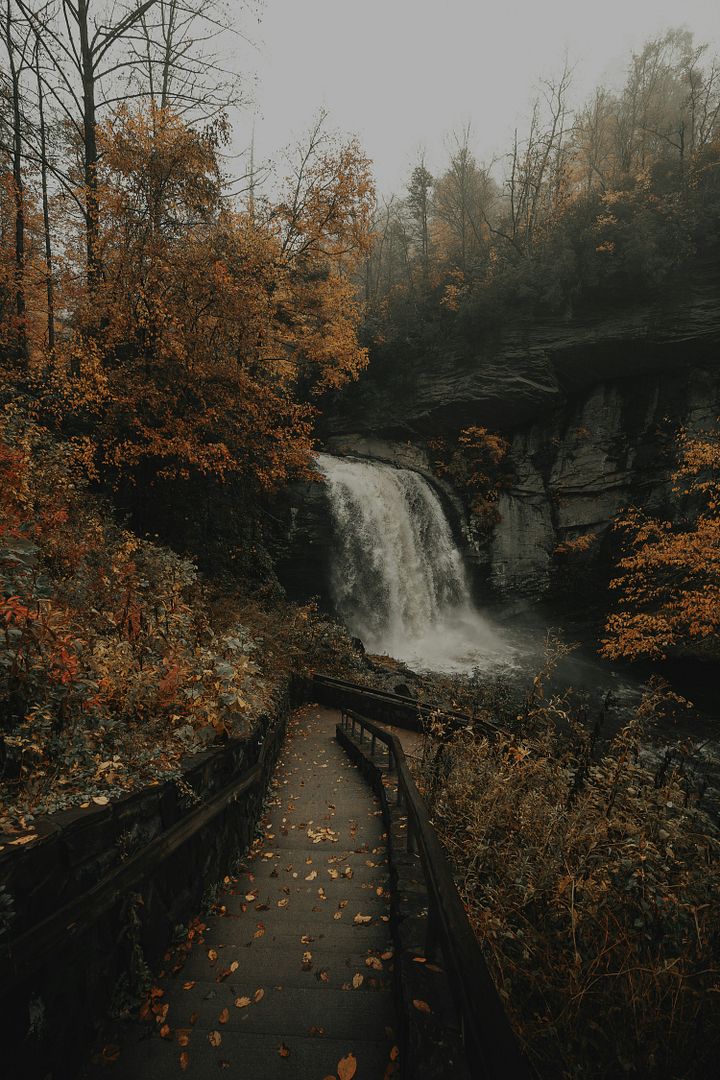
(610, 448)
(590, 404)
(303, 565)
(524, 373)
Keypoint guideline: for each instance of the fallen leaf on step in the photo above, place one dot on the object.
(214, 1038)
(347, 1067)
(421, 1006)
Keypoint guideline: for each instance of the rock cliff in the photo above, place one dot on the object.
(590, 405)
(526, 371)
(608, 448)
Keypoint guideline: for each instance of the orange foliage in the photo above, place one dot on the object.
(669, 585)
(212, 326)
(474, 466)
(577, 545)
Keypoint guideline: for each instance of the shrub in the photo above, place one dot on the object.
(592, 883)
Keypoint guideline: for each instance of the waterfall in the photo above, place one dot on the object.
(397, 578)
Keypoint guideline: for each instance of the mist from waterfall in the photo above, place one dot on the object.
(398, 579)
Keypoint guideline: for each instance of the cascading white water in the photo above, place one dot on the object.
(398, 578)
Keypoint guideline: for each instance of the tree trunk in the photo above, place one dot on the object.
(90, 152)
(18, 193)
(46, 215)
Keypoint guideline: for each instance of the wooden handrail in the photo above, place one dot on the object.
(27, 951)
(421, 709)
(491, 1046)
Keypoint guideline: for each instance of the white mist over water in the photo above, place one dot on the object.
(398, 579)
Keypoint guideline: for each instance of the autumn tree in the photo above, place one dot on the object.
(463, 198)
(324, 223)
(218, 325)
(419, 206)
(668, 585)
(83, 47)
(535, 183)
(16, 40)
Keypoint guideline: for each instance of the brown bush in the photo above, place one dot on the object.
(593, 885)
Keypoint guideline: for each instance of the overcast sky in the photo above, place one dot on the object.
(402, 74)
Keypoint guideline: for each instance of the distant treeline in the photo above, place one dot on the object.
(587, 206)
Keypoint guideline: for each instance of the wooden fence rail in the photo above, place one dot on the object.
(491, 1047)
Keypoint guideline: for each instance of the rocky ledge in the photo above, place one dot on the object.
(525, 372)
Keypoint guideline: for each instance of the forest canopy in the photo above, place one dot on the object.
(596, 203)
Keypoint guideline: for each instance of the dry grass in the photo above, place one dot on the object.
(593, 883)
